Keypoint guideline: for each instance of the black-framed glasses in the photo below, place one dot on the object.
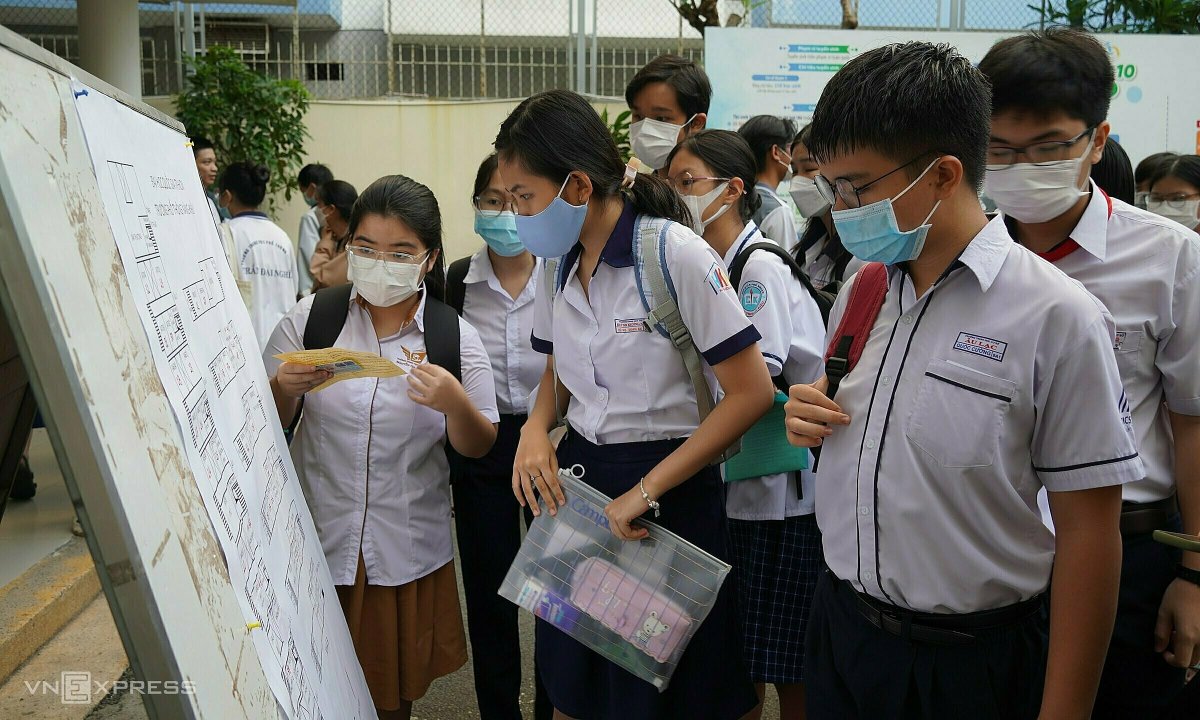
(684, 181)
(490, 203)
(1040, 153)
(851, 196)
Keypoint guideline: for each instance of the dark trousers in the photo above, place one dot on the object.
(487, 521)
(1137, 682)
(854, 670)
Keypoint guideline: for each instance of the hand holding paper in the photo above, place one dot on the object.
(343, 364)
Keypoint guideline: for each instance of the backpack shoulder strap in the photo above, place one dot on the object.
(456, 285)
(442, 341)
(824, 299)
(327, 317)
(846, 346)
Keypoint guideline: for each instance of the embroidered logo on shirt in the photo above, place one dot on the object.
(412, 358)
(982, 346)
(717, 280)
(632, 325)
(753, 297)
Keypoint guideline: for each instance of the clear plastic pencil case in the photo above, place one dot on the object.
(635, 603)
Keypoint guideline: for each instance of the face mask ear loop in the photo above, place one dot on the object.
(912, 184)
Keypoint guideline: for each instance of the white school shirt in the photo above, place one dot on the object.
(1146, 270)
(370, 460)
(628, 383)
(793, 333)
(306, 243)
(504, 324)
(820, 267)
(265, 258)
(774, 218)
(998, 381)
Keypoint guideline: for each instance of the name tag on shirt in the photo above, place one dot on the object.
(631, 325)
(982, 346)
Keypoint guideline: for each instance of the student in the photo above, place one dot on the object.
(1113, 173)
(335, 201)
(370, 452)
(494, 290)
(206, 166)
(311, 177)
(986, 375)
(629, 402)
(819, 251)
(1175, 191)
(1047, 132)
(262, 251)
(668, 99)
(1146, 171)
(770, 139)
(775, 542)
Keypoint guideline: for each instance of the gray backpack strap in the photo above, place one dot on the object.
(664, 316)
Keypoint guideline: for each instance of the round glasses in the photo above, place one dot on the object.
(491, 204)
(1176, 201)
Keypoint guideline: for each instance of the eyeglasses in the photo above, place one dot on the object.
(392, 257)
(1175, 201)
(491, 204)
(1042, 153)
(684, 181)
(845, 190)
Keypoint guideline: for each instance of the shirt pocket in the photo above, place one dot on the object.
(958, 413)
(1128, 349)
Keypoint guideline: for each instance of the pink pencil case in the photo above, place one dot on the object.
(641, 615)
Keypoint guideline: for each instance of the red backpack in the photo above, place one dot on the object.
(846, 346)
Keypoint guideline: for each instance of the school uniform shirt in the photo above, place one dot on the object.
(793, 332)
(627, 382)
(998, 381)
(504, 324)
(820, 267)
(774, 218)
(370, 460)
(310, 233)
(1146, 270)
(265, 259)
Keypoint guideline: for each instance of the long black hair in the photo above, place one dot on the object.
(410, 202)
(1114, 172)
(340, 195)
(556, 132)
(1184, 167)
(728, 156)
(245, 181)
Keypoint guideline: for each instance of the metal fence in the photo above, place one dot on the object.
(468, 49)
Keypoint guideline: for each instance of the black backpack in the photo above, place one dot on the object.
(456, 283)
(824, 298)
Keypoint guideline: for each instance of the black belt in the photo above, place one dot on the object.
(938, 628)
(1145, 518)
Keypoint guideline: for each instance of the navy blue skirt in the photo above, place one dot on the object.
(711, 681)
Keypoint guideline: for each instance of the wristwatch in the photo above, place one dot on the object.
(1186, 573)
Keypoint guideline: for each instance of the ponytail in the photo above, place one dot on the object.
(651, 195)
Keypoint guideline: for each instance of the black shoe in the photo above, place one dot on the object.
(24, 488)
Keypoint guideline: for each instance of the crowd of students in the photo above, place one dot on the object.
(1006, 404)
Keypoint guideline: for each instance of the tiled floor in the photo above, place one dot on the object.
(32, 529)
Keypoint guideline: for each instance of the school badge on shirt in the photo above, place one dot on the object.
(412, 358)
(981, 346)
(753, 296)
(717, 279)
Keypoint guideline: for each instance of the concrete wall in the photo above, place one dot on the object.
(438, 143)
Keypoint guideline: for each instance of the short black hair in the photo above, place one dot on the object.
(763, 132)
(905, 101)
(686, 78)
(247, 182)
(1114, 172)
(1184, 167)
(1150, 165)
(1043, 71)
(314, 174)
(483, 176)
(201, 143)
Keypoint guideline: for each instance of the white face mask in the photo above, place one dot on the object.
(807, 197)
(1035, 193)
(1186, 216)
(653, 140)
(384, 283)
(1139, 198)
(697, 204)
(788, 173)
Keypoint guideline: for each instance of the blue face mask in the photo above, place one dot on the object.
(872, 234)
(500, 233)
(310, 201)
(555, 230)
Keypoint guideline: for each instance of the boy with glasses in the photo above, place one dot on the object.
(985, 375)
(1050, 98)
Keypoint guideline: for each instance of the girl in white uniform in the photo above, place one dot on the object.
(775, 541)
(628, 400)
(820, 251)
(370, 451)
(262, 250)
